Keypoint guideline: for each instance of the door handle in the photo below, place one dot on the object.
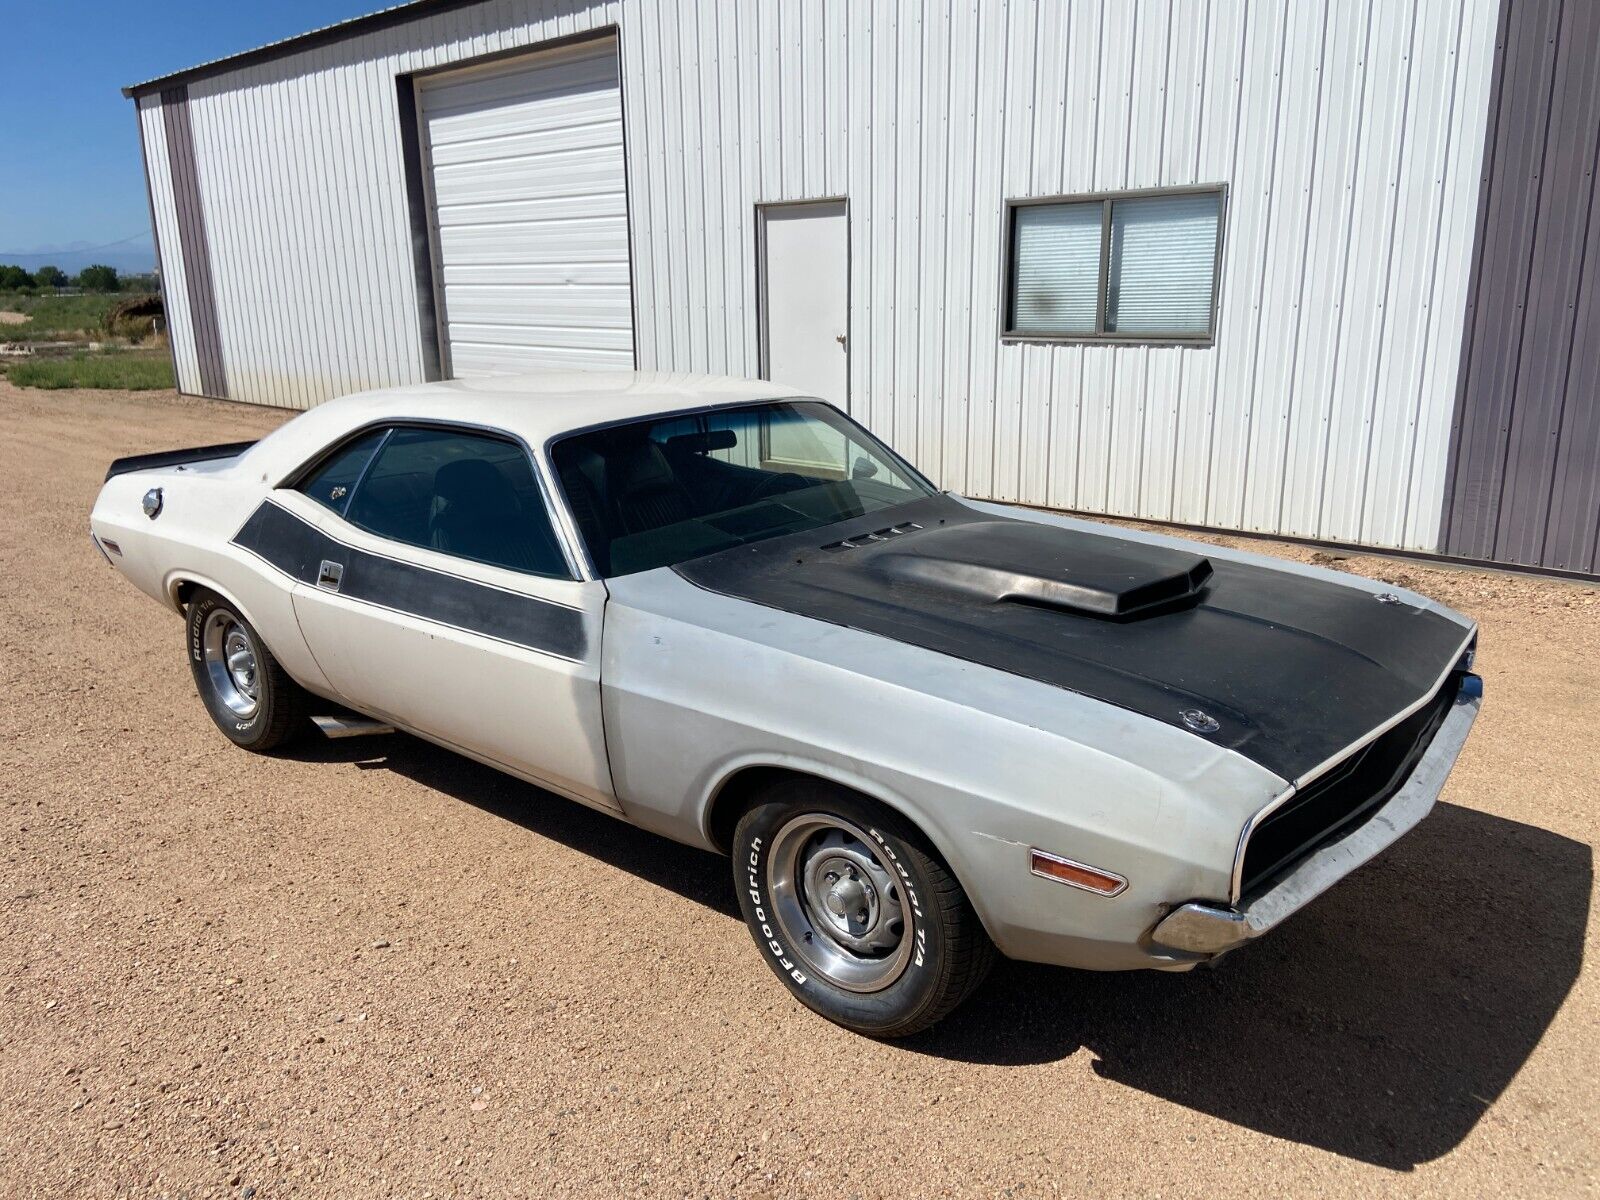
(329, 575)
(841, 338)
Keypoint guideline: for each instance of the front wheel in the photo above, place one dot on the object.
(861, 921)
(246, 692)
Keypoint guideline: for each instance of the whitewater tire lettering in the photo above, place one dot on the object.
(919, 951)
(758, 908)
(197, 617)
(853, 910)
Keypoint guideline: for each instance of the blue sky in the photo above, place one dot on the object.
(69, 148)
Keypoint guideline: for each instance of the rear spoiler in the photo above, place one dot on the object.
(176, 458)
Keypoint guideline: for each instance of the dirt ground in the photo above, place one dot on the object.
(370, 967)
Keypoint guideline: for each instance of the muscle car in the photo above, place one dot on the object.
(925, 729)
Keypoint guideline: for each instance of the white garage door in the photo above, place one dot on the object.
(530, 218)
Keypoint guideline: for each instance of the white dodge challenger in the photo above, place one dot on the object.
(923, 728)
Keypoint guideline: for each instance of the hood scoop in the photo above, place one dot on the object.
(1020, 562)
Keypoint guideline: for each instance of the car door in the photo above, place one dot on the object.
(439, 597)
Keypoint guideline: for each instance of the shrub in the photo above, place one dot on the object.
(98, 278)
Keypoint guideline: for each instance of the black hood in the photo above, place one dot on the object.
(1292, 669)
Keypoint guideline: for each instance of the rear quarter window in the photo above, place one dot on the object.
(331, 484)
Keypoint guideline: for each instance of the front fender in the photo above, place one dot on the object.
(698, 687)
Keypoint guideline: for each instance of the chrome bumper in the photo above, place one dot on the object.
(1200, 928)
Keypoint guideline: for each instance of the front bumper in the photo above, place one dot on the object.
(1210, 929)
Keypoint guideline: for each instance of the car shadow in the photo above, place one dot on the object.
(1379, 1024)
(694, 874)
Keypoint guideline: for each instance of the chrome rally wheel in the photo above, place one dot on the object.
(854, 910)
(230, 658)
(249, 696)
(843, 909)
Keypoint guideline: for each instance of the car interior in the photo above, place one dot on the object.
(645, 494)
(462, 494)
(653, 493)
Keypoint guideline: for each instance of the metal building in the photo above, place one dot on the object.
(1319, 268)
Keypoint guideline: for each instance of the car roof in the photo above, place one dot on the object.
(534, 407)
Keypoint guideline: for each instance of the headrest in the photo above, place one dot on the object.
(639, 466)
(473, 484)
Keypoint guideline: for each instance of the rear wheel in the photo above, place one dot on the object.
(854, 912)
(244, 689)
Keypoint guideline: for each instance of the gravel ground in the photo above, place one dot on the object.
(374, 968)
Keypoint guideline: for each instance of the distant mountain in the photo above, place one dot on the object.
(131, 256)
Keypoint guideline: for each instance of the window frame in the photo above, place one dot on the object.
(577, 564)
(1010, 335)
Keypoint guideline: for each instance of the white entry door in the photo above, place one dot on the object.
(525, 173)
(805, 310)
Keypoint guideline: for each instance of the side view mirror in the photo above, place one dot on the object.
(864, 468)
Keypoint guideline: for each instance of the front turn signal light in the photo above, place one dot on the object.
(1075, 874)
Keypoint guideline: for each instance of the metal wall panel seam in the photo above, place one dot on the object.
(353, 155)
(1371, 396)
(279, 187)
(219, 201)
(1423, 363)
(747, 76)
(148, 165)
(1270, 236)
(311, 242)
(271, 286)
(244, 266)
(1229, 296)
(692, 127)
(193, 383)
(346, 365)
(1306, 209)
(159, 181)
(927, 223)
(1307, 432)
(1363, 323)
(1458, 231)
(1336, 357)
(194, 242)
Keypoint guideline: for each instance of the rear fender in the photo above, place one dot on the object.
(176, 579)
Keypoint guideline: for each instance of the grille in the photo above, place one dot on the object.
(1345, 795)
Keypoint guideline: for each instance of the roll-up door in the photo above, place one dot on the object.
(528, 206)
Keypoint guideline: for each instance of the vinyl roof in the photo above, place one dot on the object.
(394, 15)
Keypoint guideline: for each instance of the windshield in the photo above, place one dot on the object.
(657, 492)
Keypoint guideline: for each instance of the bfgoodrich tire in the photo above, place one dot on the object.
(244, 689)
(853, 911)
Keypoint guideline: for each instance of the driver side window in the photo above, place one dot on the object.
(469, 495)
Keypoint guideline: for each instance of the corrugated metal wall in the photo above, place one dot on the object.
(164, 215)
(1349, 133)
(1525, 481)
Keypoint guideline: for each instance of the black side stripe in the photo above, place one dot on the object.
(298, 549)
